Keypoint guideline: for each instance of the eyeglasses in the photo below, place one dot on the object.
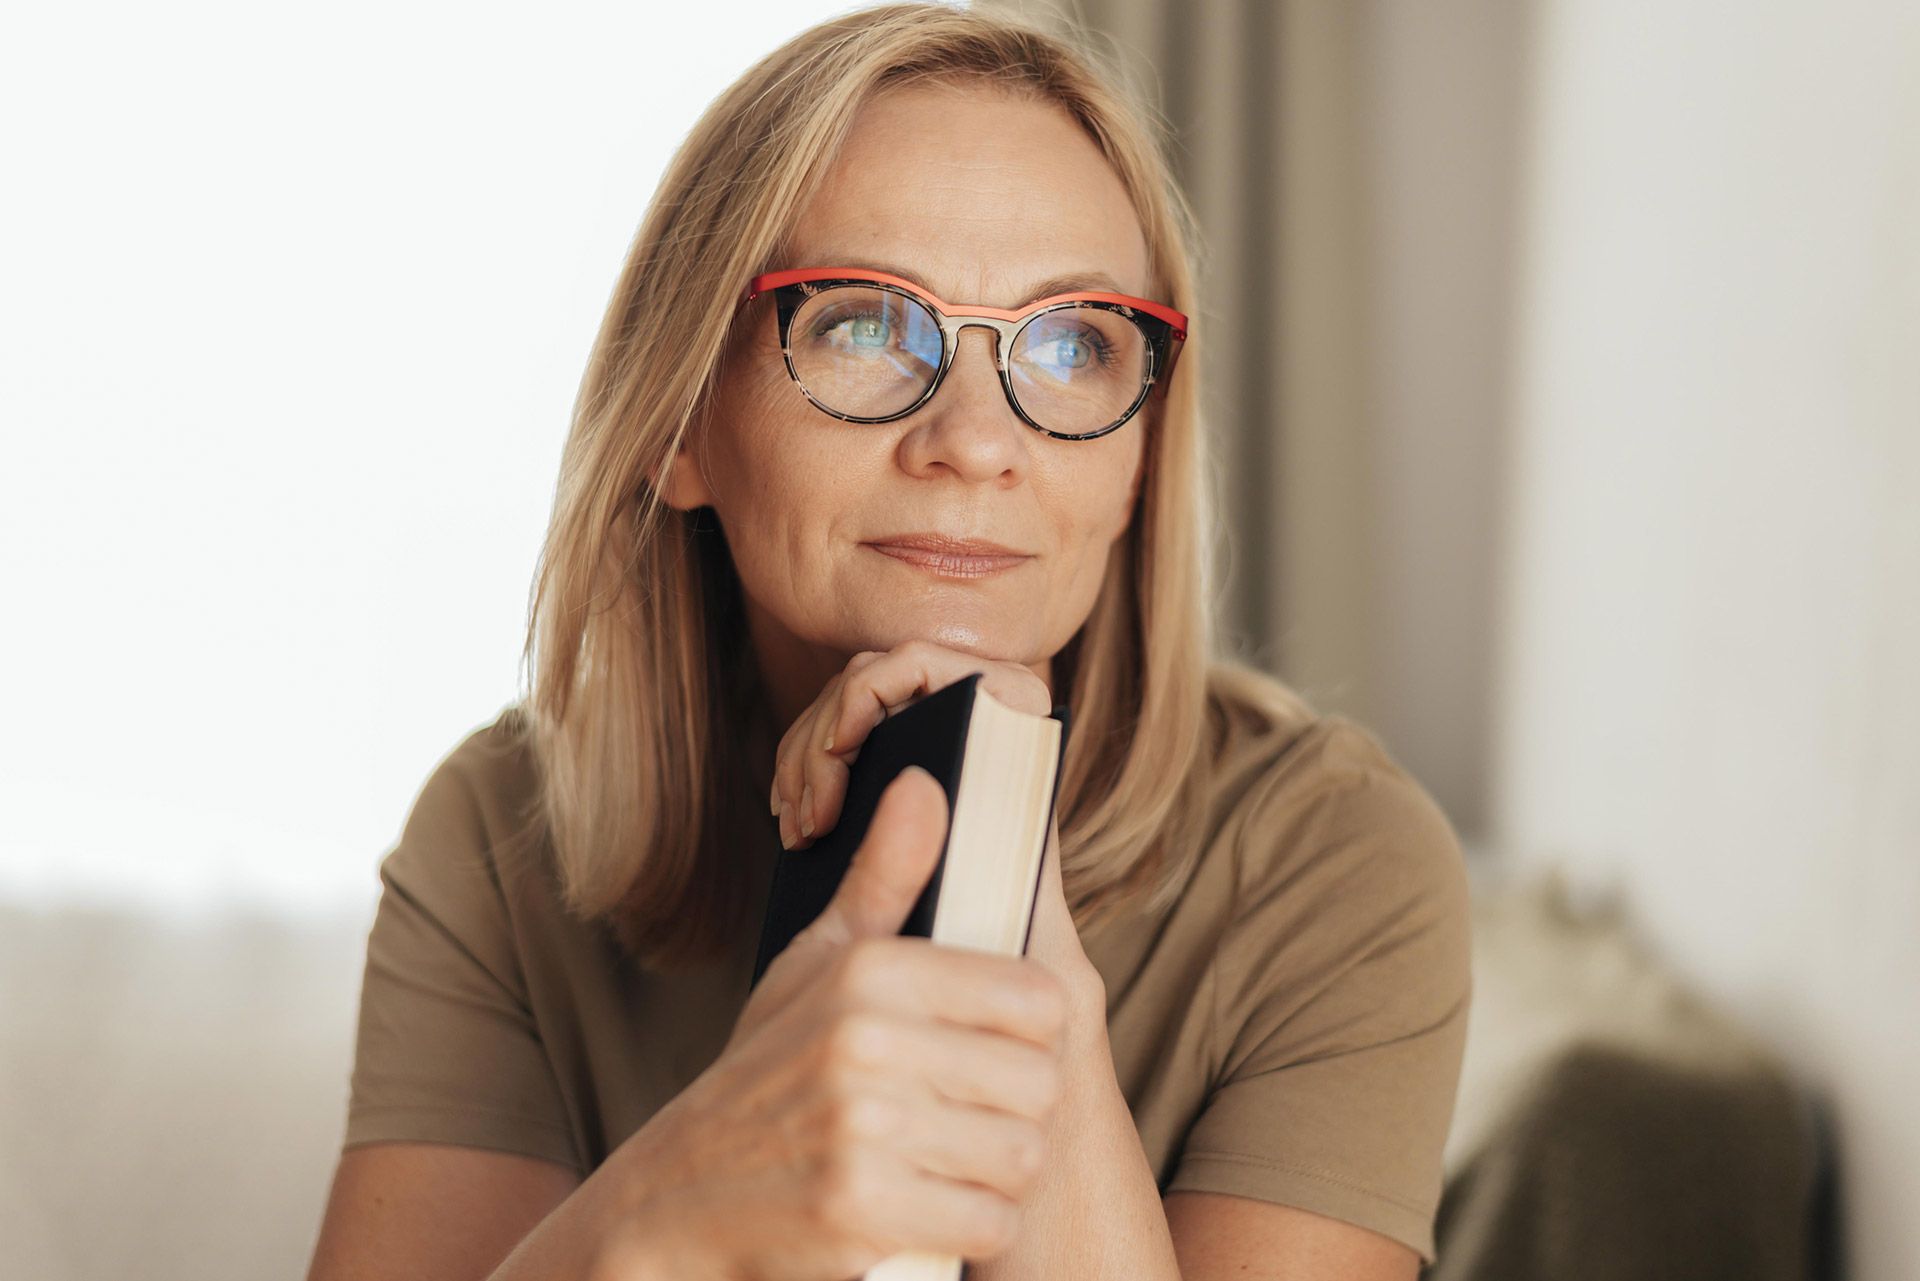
(868, 347)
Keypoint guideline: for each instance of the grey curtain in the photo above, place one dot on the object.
(1355, 166)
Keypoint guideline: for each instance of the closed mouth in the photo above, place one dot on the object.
(948, 563)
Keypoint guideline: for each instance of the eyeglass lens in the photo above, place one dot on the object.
(869, 353)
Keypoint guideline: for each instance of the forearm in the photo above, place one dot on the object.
(1097, 1210)
(569, 1245)
(610, 1229)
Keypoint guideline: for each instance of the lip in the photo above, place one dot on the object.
(950, 557)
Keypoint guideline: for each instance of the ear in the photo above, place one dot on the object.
(680, 482)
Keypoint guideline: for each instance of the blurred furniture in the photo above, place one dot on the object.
(1612, 1125)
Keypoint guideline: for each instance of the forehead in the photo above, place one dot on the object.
(978, 192)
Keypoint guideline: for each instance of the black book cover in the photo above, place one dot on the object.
(929, 733)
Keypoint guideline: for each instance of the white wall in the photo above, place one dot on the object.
(1710, 698)
(293, 306)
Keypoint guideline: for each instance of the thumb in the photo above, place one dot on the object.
(892, 865)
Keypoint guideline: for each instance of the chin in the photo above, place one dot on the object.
(959, 635)
(968, 640)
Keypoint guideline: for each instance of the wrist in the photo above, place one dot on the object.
(642, 1234)
(639, 1256)
(1087, 1049)
(641, 1248)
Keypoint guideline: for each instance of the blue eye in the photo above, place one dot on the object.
(866, 329)
(869, 330)
(1072, 352)
(1067, 350)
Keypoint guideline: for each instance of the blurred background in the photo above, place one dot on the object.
(1572, 444)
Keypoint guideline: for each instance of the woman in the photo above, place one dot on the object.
(891, 390)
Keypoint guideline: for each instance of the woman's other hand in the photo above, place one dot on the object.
(810, 765)
(878, 1094)
(810, 783)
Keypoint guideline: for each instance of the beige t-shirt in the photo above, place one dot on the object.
(1289, 1030)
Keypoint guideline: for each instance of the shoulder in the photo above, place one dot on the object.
(494, 758)
(1253, 720)
(477, 810)
(1314, 803)
(1251, 714)
(1350, 922)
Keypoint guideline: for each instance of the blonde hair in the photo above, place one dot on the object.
(635, 651)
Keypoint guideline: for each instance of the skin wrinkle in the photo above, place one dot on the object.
(980, 195)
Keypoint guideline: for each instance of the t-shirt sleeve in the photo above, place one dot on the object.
(1340, 993)
(447, 1048)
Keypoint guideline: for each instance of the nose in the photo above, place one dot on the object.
(968, 429)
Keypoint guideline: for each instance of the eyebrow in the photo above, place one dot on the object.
(1073, 282)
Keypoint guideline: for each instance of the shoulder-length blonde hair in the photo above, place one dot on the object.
(634, 653)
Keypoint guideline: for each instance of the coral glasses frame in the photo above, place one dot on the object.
(1163, 328)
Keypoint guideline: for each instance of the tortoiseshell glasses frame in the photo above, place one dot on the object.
(1161, 330)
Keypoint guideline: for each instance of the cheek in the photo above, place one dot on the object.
(756, 461)
(1095, 504)
(1114, 486)
(781, 479)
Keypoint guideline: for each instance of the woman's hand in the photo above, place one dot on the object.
(811, 765)
(878, 1094)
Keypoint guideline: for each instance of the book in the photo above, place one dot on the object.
(1000, 768)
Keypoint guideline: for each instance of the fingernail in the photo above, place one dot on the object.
(786, 830)
(773, 799)
(829, 744)
(806, 810)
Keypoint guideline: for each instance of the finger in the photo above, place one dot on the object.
(859, 662)
(880, 685)
(982, 1070)
(824, 769)
(976, 1145)
(893, 863)
(874, 685)
(898, 678)
(789, 781)
(925, 1212)
(823, 774)
(1018, 687)
(969, 989)
(788, 799)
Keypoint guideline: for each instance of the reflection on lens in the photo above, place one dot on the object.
(1078, 369)
(864, 352)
